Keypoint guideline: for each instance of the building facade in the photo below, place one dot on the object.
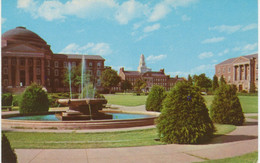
(241, 71)
(27, 58)
(150, 77)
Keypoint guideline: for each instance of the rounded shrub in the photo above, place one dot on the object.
(8, 154)
(155, 99)
(184, 118)
(7, 99)
(226, 107)
(34, 100)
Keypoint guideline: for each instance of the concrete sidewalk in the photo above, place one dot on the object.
(241, 141)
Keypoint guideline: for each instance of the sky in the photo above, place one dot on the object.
(182, 36)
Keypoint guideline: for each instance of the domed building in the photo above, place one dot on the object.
(27, 58)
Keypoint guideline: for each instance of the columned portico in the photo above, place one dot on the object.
(26, 72)
(17, 77)
(34, 70)
(42, 72)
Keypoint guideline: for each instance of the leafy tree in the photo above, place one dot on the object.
(202, 81)
(222, 80)
(184, 118)
(252, 87)
(190, 81)
(139, 85)
(126, 85)
(8, 155)
(7, 99)
(109, 79)
(215, 83)
(226, 107)
(34, 100)
(155, 98)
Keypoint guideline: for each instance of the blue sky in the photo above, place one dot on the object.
(182, 36)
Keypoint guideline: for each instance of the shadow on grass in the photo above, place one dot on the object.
(250, 124)
(218, 139)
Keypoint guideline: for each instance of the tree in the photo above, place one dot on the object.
(8, 154)
(184, 118)
(34, 100)
(155, 98)
(190, 79)
(252, 87)
(109, 79)
(202, 81)
(215, 83)
(226, 107)
(126, 85)
(139, 85)
(222, 80)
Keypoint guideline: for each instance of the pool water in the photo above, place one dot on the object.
(52, 117)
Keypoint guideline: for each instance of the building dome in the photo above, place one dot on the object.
(23, 35)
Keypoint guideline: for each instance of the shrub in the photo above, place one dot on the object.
(155, 98)
(7, 99)
(34, 100)
(8, 154)
(17, 99)
(226, 107)
(184, 118)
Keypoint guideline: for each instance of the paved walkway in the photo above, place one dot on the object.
(241, 141)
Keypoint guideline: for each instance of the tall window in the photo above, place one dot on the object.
(38, 62)
(99, 64)
(48, 63)
(38, 71)
(56, 64)
(73, 64)
(5, 70)
(229, 69)
(48, 72)
(5, 82)
(90, 64)
(98, 73)
(65, 64)
(5, 62)
(22, 62)
(56, 72)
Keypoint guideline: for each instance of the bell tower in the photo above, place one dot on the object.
(142, 67)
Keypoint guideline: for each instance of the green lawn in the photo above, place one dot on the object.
(34, 140)
(247, 158)
(126, 99)
(249, 103)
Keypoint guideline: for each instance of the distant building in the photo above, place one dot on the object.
(151, 77)
(241, 71)
(27, 58)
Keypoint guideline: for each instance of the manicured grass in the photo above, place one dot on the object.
(36, 140)
(249, 103)
(253, 117)
(126, 99)
(247, 158)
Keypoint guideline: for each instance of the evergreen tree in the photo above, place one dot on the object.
(252, 87)
(215, 83)
(155, 98)
(202, 81)
(222, 80)
(184, 118)
(8, 155)
(190, 79)
(226, 107)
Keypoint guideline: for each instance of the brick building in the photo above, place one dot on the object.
(241, 71)
(151, 77)
(27, 58)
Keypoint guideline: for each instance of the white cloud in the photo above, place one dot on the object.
(51, 10)
(153, 58)
(163, 8)
(152, 28)
(206, 55)
(90, 48)
(185, 18)
(223, 53)
(213, 40)
(130, 10)
(247, 48)
(159, 12)
(226, 28)
(24, 3)
(249, 27)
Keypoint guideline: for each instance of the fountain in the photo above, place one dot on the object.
(85, 108)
